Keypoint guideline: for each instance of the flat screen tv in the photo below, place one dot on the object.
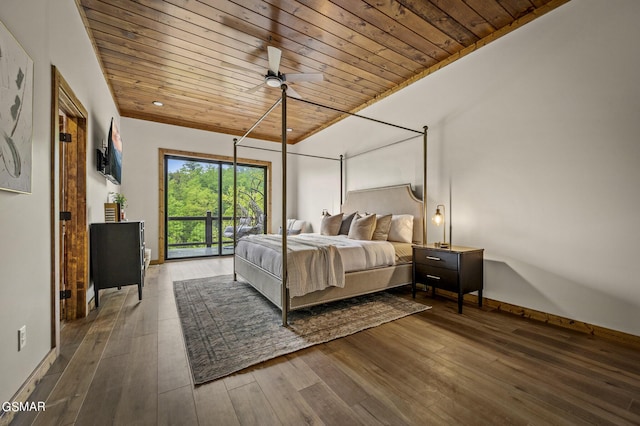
(110, 160)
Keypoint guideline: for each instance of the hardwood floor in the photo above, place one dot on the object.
(126, 364)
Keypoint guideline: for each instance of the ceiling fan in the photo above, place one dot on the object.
(274, 78)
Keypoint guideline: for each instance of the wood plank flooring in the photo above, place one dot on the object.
(126, 364)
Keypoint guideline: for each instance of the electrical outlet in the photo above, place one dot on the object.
(22, 337)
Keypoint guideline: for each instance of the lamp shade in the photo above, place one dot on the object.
(438, 218)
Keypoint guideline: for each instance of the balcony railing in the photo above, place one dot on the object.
(218, 236)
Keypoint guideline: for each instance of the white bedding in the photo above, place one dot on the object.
(315, 262)
(358, 255)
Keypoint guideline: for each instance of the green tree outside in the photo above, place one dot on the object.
(193, 190)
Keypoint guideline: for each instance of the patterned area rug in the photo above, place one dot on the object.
(229, 326)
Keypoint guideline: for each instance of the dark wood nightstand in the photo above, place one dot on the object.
(458, 269)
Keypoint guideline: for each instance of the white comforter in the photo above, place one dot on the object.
(315, 262)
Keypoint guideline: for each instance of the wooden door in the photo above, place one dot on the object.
(72, 244)
(64, 272)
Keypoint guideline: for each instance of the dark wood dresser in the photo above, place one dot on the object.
(117, 255)
(458, 269)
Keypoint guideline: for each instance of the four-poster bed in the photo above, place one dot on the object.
(395, 201)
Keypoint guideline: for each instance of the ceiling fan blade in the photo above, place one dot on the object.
(292, 93)
(254, 89)
(274, 59)
(311, 76)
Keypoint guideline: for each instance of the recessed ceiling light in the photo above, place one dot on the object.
(158, 103)
(289, 129)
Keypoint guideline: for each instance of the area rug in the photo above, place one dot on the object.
(229, 326)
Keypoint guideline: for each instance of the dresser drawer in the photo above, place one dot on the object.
(446, 279)
(436, 258)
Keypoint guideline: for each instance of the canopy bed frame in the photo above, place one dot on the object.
(397, 200)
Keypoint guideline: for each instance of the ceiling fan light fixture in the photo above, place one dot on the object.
(273, 81)
(274, 78)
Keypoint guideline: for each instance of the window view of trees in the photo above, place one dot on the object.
(199, 205)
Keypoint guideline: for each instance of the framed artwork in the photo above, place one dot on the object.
(16, 114)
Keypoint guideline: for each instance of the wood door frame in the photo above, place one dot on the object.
(63, 98)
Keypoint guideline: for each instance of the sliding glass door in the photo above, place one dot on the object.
(199, 205)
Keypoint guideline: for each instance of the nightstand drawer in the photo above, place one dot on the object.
(438, 277)
(436, 258)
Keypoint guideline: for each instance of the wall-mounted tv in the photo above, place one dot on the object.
(110, 159)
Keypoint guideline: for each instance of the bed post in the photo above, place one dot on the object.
(341, 180)
(284, 290)
(424, 188)
(235, 202)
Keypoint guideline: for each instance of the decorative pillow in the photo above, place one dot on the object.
(383, 224)
(362, 227)
(346, 224)
(290, 231)
(330, 225)
(294, 227)
(401, 228)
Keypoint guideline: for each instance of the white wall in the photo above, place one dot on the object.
(72, 53)
(533, 145)
(25, 234)
(140, 170)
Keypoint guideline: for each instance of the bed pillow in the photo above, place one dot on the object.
(290, 231)
(346, 224)
(294, 227)
(383, 225)
(401, 229)
(330, 225)
(362, 227)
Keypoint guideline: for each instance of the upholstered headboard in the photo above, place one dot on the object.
(398, 199)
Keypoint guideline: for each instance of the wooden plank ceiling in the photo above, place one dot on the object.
(201, 58)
